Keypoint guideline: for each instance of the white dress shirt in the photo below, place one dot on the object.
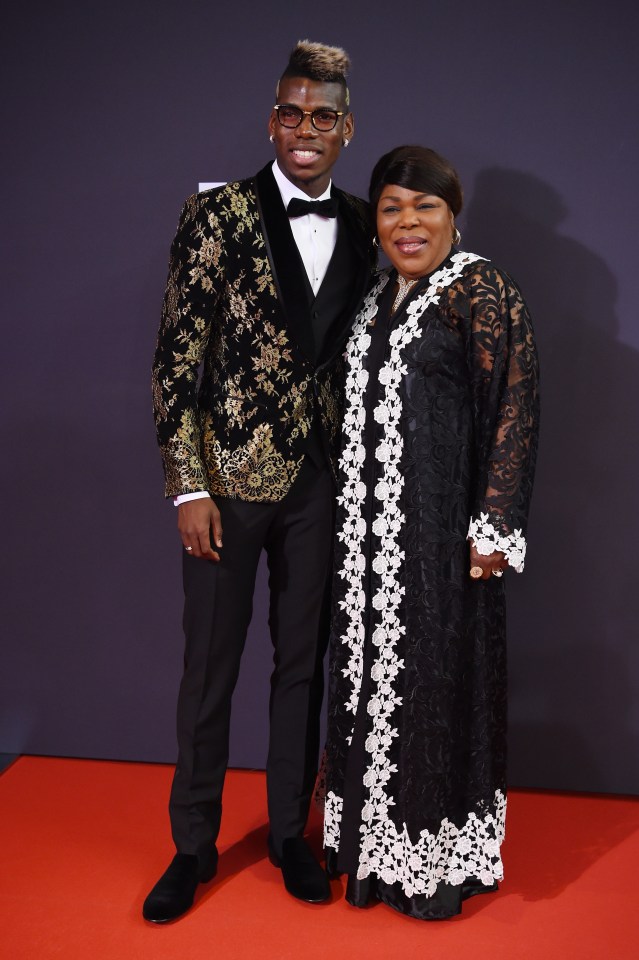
(315, 237)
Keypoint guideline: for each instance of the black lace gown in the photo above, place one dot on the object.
(440, 436)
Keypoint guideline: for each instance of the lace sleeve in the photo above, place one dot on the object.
(504, 372)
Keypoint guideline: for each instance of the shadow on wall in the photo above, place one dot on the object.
(572, 631)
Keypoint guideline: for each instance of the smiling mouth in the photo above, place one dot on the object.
(304, 154)
(410, 245)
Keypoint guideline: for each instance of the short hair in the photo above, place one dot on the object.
(318, 62)
(420, 169)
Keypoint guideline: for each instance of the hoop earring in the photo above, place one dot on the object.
(272, 138)
(456, 237)
(376, 241)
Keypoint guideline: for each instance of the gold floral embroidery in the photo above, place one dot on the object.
(221, 307)
(191, 207)
(236, 405)
(214, 223)
(185, 471)
(205, 245)
(210, 252)
(269, 358)
(161, 400)
(171, 298)
(254, 471)
(299, 400)
(237, 211)
(263, 275)
(187, 361)
(274, 356)
(240, 301)
(265, 384)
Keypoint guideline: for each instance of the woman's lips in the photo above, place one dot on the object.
(409, 245)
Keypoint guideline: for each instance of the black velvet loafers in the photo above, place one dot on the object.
(173, 894)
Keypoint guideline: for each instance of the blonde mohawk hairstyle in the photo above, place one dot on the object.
(317, 61)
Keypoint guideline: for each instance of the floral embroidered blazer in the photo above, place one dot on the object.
(236, 308)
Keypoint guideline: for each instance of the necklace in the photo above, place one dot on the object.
(403, 287)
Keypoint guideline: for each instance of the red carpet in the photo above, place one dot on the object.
(83, 841)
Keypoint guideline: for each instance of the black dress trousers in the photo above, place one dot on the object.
(297, 535)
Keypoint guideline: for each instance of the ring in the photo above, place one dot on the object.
(497, 573)
(476, 572)
(188, 549)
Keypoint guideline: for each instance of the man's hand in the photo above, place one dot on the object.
(196, 519)
(488, 563)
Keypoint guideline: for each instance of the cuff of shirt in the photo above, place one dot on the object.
(185, 497)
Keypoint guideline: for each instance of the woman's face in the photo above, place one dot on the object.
(415, 230)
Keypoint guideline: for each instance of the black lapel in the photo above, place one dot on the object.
(358, 234)
(357, 226)
(289, 275)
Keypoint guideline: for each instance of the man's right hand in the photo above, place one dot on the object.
(196, 519)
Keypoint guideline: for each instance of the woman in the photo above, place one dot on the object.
(436, 477)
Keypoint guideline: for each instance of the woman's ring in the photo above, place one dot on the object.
(188, 549)
(476, 572)
(497, 573)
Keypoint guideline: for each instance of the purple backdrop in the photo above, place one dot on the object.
(114, 116)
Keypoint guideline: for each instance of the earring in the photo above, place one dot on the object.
(345, 142)
(456, 236)
(375, 241)
(272, 138)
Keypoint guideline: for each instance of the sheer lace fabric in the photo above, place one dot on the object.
(440, 440)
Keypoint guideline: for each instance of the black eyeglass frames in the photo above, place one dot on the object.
(322, 119)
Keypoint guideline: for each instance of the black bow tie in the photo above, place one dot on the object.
(325, 208)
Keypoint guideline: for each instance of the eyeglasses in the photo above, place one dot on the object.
(291, 117)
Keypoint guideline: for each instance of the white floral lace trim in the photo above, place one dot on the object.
(353, 492)
(452, 855)
(353, 530)
(383, 850)
(332, 819)
(487, 538)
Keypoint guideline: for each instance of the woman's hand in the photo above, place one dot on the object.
(482, 566)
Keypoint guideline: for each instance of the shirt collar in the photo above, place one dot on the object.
(288, 190)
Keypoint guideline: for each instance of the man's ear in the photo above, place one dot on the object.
(349, 126)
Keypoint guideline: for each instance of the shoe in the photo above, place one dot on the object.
(303, 876)
(173, 893)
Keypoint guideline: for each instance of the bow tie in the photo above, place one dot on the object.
(325, 208)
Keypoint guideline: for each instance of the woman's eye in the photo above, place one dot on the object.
(390, 209)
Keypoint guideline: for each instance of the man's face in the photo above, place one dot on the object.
(305, 155)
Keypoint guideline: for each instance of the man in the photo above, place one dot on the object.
(262, 290)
